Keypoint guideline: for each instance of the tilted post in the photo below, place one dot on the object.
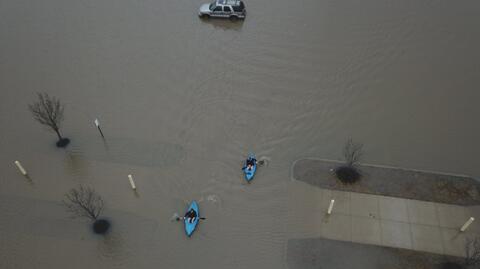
(132, 183)
(20, 167)
(465, 226)
(330, 207)
(97, 123)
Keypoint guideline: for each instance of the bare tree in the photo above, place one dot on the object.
(472, 252)
(84, 202)
(352, 152)
(48, 111)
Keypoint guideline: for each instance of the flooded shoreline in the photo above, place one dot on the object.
(392, 182)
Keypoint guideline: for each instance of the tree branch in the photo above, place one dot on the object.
(47, 111)
(84, 202)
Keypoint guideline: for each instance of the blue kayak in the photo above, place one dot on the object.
(190, 227)
(250, 173)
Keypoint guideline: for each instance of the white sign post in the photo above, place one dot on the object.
(20, 167)
(97, 123)
(330, 207)
(465, 226)
(132, 183)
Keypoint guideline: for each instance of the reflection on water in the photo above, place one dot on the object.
(123, 151)
(76, 163)
(111, 247)
(225, 24)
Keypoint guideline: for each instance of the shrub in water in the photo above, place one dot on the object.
(101, 226)
(347, 174)
(63, 142)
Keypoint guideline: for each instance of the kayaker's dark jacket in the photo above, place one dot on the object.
(251, 161)
(191, 214)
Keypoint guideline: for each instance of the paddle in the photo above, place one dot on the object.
(183, 218)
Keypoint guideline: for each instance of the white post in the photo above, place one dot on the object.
(97, 123)
(20, 167)
(465, 226)
(330, 207)
(132, 183)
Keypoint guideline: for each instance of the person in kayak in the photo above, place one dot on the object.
(250, 163)
(191, 215)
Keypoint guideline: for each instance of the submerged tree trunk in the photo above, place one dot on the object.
(101, 226)
(58, 134)
(62, 142)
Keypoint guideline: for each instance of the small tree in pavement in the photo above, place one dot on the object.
(348, 172)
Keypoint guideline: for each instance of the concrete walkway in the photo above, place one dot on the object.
(381, 220)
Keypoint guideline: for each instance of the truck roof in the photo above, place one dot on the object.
(229, 2)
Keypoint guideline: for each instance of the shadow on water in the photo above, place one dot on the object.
(136, 194)
(76, 163)
(29, 180)
(128, 233)
(105, 144)
(124, 151)
(112, 247)
(224, 24)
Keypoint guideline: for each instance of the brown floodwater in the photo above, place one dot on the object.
(181, 101)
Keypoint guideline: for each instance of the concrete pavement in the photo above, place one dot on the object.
(381, 220)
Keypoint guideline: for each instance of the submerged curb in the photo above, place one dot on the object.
(392, 181)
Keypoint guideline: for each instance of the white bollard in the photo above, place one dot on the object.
(97, 123)
(130, 178)
(465, 226)
(20, 167)
(330, 207)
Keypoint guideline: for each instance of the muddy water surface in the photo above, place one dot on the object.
(181, 102)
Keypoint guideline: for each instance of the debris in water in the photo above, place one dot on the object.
(175, 217)
(264, 160)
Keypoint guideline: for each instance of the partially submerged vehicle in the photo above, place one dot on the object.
(232, 9)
